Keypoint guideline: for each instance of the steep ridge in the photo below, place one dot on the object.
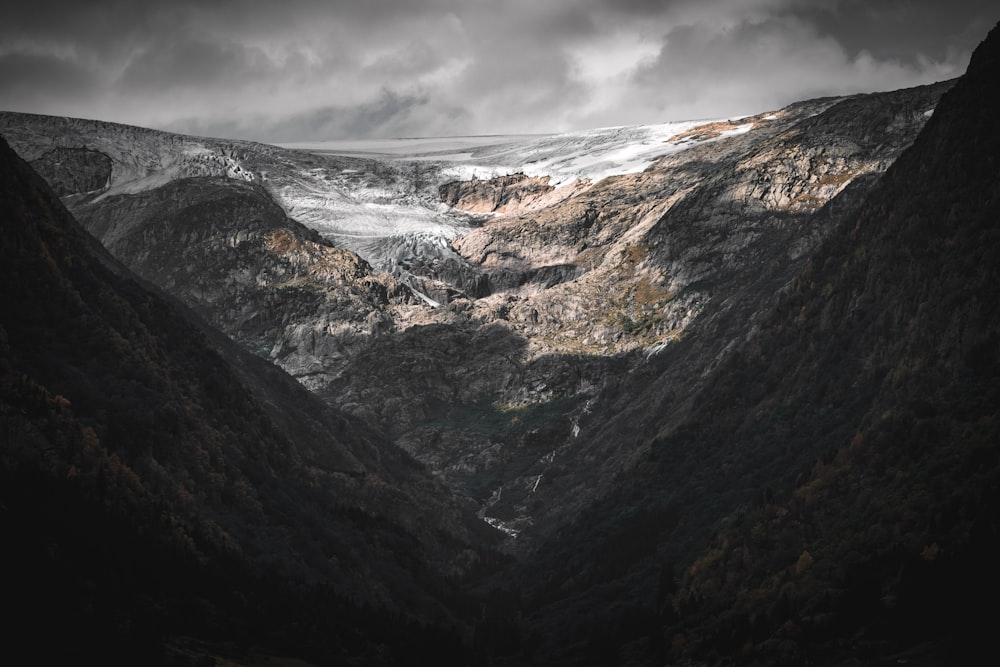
(166, 496)
(849, 444)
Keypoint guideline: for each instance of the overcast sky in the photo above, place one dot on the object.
(311, 70)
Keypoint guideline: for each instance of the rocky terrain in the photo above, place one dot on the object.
(494, 318)
(604, 283)
(819, 495)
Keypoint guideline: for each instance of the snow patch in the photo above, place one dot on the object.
(501, 526)
(535, 485)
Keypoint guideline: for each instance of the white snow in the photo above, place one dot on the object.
(590, 155)
(586, 155)
(500, 525)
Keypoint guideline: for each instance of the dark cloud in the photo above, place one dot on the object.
(391, 114)
(21, 73)
(35, 80)
(192, 63)
(904, 30)
(320, 69)
(756, 65)
(388, 115)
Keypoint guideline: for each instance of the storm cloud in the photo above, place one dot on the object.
(305, 70)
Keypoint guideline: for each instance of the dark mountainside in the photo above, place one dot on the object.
(843, 465)
(165, 496)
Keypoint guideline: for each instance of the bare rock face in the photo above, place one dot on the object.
(501, 194)
(74, 170)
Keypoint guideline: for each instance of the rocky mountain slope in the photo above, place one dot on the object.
(840, 463)
(652, 274)
(685, 269)
(510, 313)
(162, 488)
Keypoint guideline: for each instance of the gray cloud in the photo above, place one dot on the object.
(38, 76)
(391, 114)
(192, 63)
(321, 69)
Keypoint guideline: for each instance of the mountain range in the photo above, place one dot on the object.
(704, 393)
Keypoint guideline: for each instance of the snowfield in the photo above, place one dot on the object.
(587, 155)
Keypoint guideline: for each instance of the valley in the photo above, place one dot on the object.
(698, 393)
(431, 306)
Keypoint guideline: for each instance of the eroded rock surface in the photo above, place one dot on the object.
(501, 194)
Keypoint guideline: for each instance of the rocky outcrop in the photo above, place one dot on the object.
(648, 250)
(74, 170)
(675, 267)
(501, 194)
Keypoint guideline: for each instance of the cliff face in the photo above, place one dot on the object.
(230, 252)
(502, 194)
(650, 247)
